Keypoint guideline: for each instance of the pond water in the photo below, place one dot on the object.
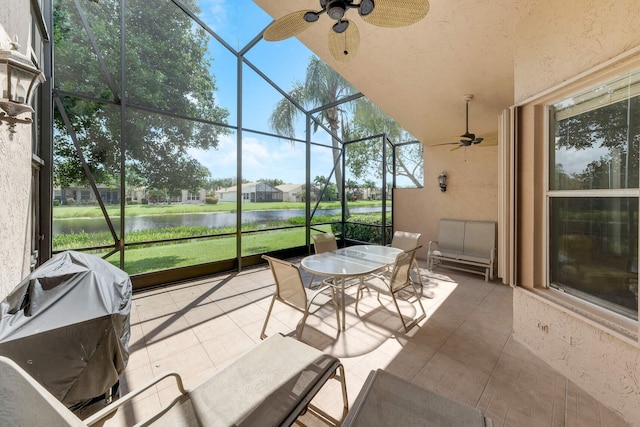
(209, 219)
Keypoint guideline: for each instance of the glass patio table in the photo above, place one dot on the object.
(353, 261)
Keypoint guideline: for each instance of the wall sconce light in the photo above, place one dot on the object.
(442, 181)
(19, 79)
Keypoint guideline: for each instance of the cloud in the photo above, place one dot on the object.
(214, 13)
(268, 158)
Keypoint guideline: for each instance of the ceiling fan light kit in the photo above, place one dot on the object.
(340, 27)
(381, 13)
(311, 16)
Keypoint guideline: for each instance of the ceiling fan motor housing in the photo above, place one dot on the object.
(336, 9)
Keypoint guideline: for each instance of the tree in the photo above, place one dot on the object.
(218, 183)
(371, 186)
(330, 191)
(168, 70)
(351, 188)
(363, 158)
(185, 174)
(322, 86)
(615, 127)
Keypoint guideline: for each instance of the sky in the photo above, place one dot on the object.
(238, 22)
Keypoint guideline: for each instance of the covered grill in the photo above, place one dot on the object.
(67, 325)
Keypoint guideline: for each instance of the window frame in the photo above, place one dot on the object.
(550, 194)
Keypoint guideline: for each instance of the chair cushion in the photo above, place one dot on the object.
(269, 385)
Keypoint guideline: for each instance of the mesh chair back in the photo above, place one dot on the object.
(401, 273)
(289, 285)
(325, 242)
(405, 240)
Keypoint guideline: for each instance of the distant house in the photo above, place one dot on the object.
(193, 197)
(137, 194)
(292, 192)
(86, 196)
(252, 192)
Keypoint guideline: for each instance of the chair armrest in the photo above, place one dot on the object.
(327, 282)
(127, 397)
(316, 292)
(433, 243)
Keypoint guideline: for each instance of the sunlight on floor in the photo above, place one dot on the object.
(462, 350)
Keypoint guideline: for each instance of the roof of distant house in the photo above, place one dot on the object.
(285, 188)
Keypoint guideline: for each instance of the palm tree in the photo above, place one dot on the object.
(322, 86)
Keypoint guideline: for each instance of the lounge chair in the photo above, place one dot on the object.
(272, 384)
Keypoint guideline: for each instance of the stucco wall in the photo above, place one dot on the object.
(15, 169)
(559, 40)
(601, 362)
(556, 43)
(472, 191)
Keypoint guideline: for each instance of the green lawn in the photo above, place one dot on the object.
(163, 256)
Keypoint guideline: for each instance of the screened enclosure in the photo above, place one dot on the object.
(184, 144)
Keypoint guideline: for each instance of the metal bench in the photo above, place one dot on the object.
(465, 245)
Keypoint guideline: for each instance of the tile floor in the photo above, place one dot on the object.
(462, 350)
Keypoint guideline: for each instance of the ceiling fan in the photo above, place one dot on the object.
(344, 37)
(467, 139)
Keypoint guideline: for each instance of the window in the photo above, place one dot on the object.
(593, 194)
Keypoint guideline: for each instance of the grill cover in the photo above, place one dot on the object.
(67, 325)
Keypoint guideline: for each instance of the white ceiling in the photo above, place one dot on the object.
(419, 74)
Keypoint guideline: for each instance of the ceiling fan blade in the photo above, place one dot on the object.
(397, 13)
(344, 46)
(446, 143)
(287, 26)
(489, 139)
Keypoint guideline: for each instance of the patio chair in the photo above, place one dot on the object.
(271, 384)
(406, 240)
(394, 281)
(325, 242)
(290, 290)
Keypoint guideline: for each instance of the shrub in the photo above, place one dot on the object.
(363, 228)
(144, 201)
(211, 200)
(56, 202)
